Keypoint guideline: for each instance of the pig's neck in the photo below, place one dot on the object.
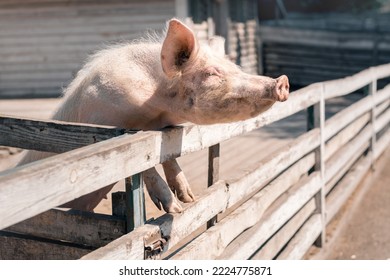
(162, 101)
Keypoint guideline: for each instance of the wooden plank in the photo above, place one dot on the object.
(312, 37)
(112, 17)
(76, 227)
(383, 144)
(52, 136)
(382, 95)
(345, 135)
(213, 242)
(17, 247)
(343, 190)
(272, 165)
(336, 55)
(381, 108)
(303, 239)
(274, 218)
(344, 155)
(346, 116)
(359, 151)
(130, 246)
(382, 121)
(274, 245)
(355, 82)
(85, 12)
(112, 28)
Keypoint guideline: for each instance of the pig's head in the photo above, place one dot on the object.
(210, 87)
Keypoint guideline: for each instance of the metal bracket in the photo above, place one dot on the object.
(154, 246)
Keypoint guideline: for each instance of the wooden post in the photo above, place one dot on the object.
(135, 202)
(316, 119)
(213, 174)
(372, 88)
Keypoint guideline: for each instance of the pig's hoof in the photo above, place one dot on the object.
(170, 205)
(282, 88)
(186, 196)
(173, 207)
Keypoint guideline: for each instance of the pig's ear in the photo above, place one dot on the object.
(217, 44)
(179, 45)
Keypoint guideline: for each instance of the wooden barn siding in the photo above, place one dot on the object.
(44, 43)
(310, 49)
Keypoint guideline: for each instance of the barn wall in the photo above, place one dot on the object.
(315, 48)
(43, 43)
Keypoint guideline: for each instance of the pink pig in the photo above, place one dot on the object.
(149, 85)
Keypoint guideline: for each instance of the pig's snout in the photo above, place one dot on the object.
(282, 88)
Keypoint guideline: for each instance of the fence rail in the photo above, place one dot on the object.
(287, 203)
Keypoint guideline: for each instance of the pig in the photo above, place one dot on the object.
(149, 85)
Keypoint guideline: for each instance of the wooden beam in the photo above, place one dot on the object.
(303, 239)
(73, 226)
(347, 153)
(345, 135)
(277, 242)
(52, 136)
(20, 247)
(130, 246)
(344, 117)
(343, 190)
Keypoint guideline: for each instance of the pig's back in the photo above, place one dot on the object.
(113, 87)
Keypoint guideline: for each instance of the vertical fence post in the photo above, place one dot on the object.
(316, 119)
(213, 174)
(372, 88)
(135, 202)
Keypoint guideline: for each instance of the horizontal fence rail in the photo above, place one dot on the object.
(290, 198)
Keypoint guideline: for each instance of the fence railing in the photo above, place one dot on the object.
(298, 189)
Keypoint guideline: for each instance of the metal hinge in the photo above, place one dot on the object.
(154, 246)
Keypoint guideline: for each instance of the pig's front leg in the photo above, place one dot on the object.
(159, 192)
(177, 181)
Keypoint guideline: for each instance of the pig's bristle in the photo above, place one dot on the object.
(94, 60)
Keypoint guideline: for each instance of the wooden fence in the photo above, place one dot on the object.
(278, 210)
